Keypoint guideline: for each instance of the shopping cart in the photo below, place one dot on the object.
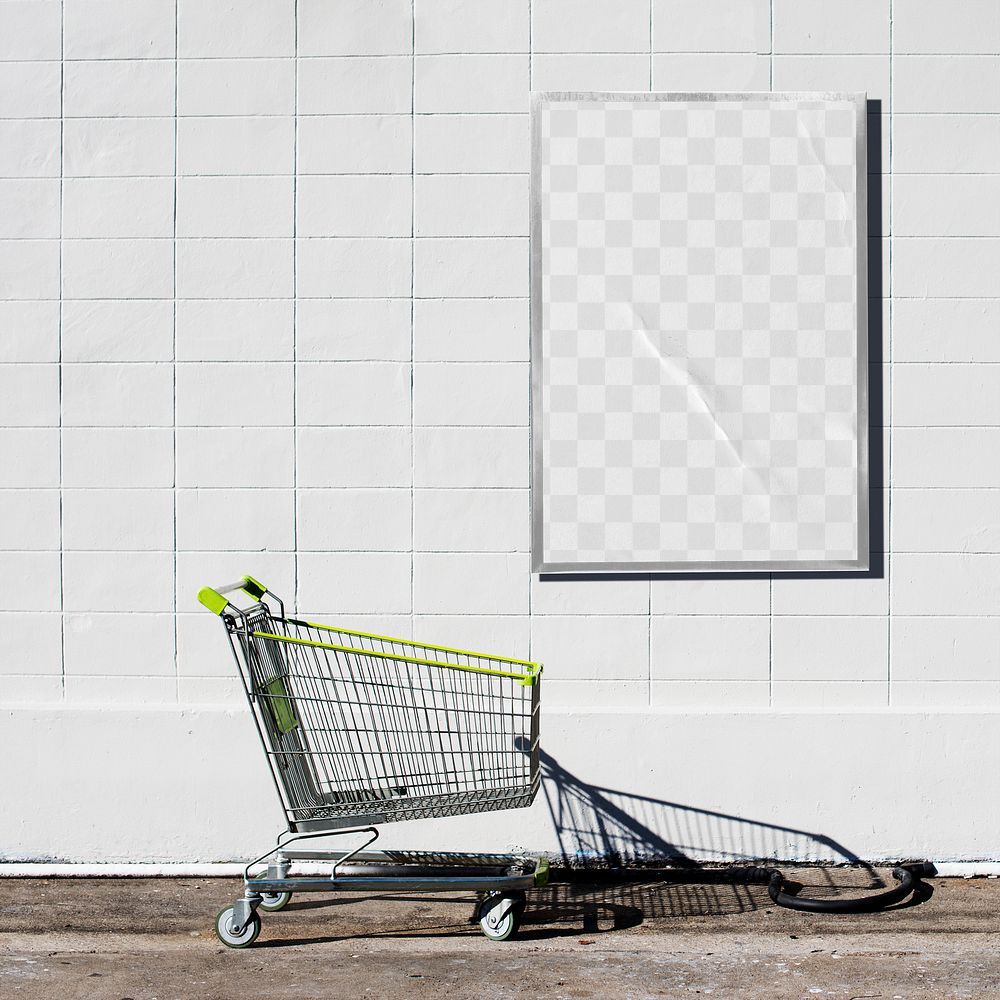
(364, 729)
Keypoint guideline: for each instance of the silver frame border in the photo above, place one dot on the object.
(862, 563)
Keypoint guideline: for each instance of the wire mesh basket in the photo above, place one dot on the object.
(364, 729)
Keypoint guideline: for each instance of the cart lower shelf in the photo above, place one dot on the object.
(501, 880)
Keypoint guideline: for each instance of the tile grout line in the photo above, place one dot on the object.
(62, 161)
(887, 492)
(939, 174)
(435, 113)
(770, 640)
(513, 51)
(531, 460)
(509, 52)
(649, 578)
(173, 355)
(460, 552)
(413, 233)
(770, 576)
(295, 315)
(649, 640)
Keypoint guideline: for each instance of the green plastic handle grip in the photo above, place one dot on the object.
(213, 599)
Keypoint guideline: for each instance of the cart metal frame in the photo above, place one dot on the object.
(369, 729)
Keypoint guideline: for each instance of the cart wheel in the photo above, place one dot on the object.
(272, 902)
(224, 929)
(500, 928)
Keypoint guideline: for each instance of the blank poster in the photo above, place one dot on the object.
(699, 332)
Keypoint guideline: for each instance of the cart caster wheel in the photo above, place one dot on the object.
(500, 928)
(224, 929)
(272, 902)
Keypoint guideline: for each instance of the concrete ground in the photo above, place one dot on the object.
(152, 939)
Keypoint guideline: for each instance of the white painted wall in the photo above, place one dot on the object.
(263, 279)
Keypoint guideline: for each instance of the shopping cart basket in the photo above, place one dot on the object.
(364, 729)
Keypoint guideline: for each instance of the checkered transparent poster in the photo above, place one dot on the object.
(699, 332)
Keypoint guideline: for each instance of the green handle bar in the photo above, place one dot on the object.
(212, 597)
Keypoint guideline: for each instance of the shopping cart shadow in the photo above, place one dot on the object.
(625, 857)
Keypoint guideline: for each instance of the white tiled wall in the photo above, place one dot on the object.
(263, 308)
